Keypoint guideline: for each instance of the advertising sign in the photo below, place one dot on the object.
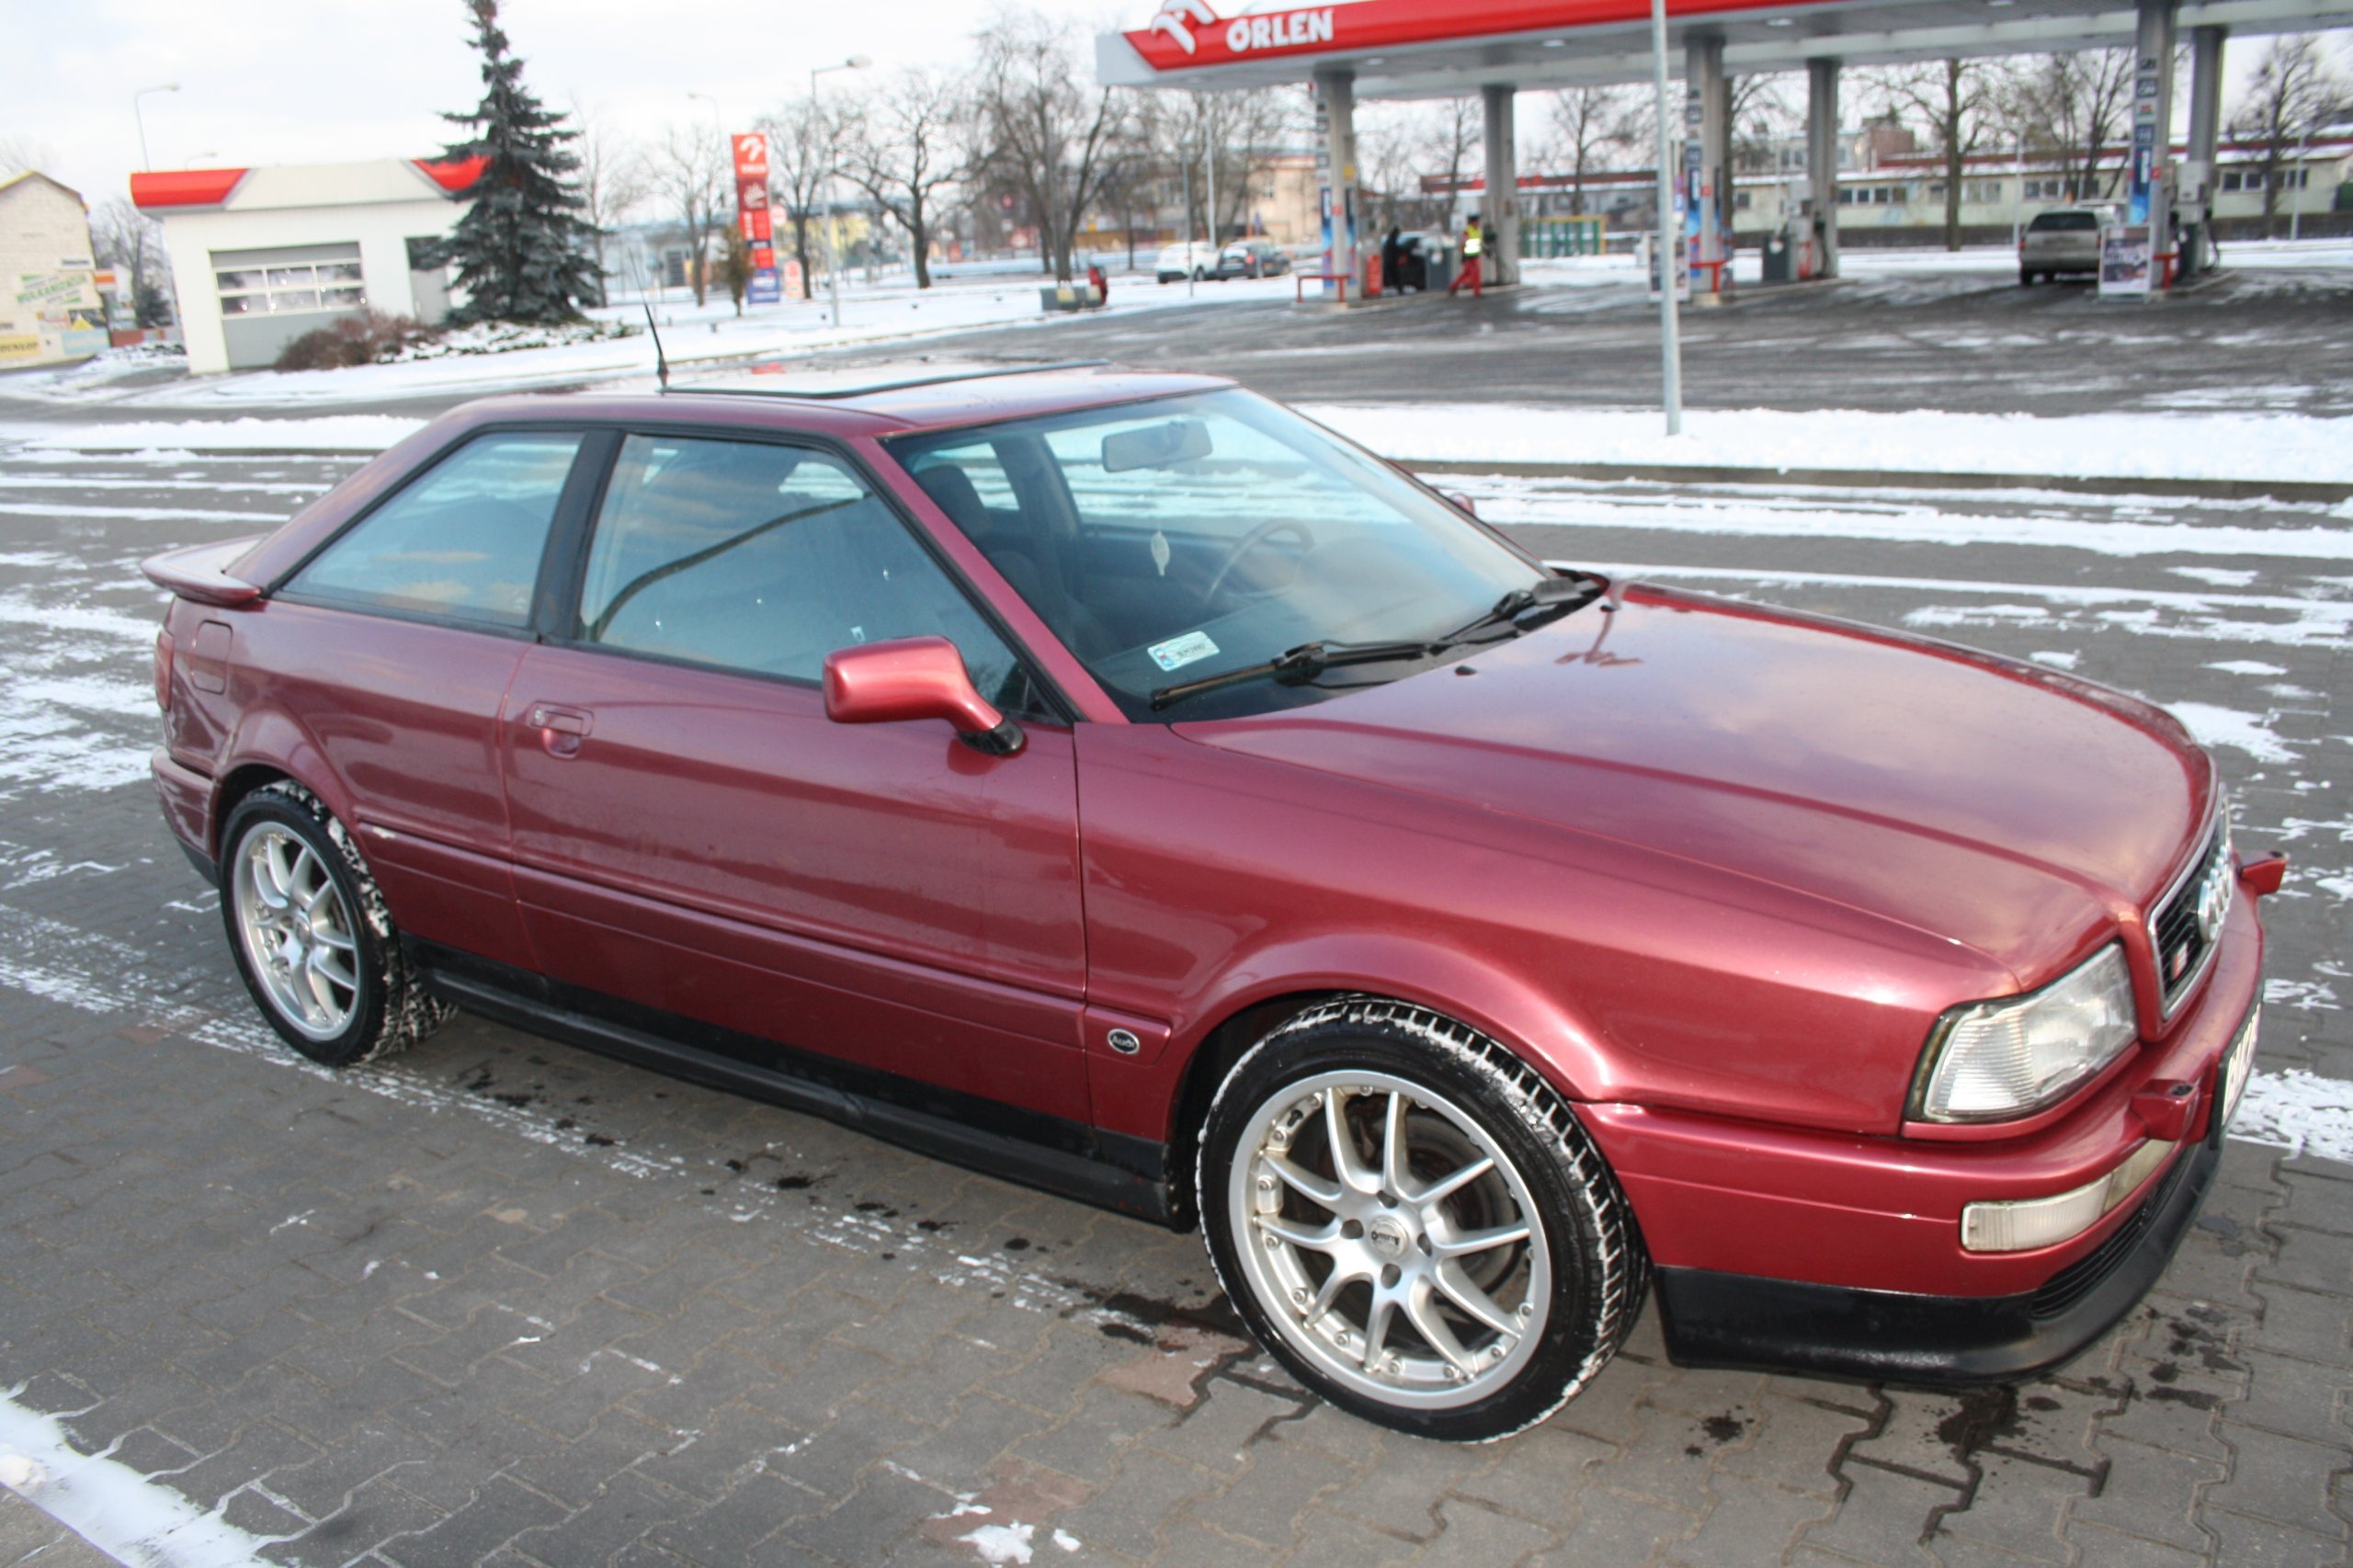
(753, 220)
(2124, 261)
(2144, 144)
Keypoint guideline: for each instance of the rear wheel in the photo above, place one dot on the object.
(311, 934)
(1414, 1223)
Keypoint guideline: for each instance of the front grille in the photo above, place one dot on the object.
(2188, 919)
(2083, 1276)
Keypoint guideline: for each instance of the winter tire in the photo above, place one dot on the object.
(310, 935)
(1414, 1223)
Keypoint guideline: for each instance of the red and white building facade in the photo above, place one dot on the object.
(262, 255)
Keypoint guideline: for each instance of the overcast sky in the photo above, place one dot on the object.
(332, 80)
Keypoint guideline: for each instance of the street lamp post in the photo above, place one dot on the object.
(832, 261)
(1670, 343)
(145, 161)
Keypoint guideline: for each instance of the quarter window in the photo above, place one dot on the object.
(765, 558)
(463, 542)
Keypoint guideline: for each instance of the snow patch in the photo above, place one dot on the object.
(111, 1506)
(2056, 660)
(2299, 1111)
(2226, 727)
(999, 1544)
(2256, 447)
(333, 433)
(2246, 667)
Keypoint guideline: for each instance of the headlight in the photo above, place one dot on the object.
(1994, 1061)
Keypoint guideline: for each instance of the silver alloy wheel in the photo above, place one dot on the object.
(297, 930)
(1389, 1239)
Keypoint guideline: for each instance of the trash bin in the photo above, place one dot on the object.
(1437, 264)
(1372, 279)
(1780, 259)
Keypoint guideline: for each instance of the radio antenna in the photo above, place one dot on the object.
(661, 361)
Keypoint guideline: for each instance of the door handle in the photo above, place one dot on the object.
(561, 729)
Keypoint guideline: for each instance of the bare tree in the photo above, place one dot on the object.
(1232, 132)
(1045, 134)
(684, 173)
(804, 154)
(2075, 106)
(124, 238)
(19, 153)
(2291, 92)
(1589, 124)
(1762, 114)
(907, 142)
(1149, 156)
(1961, 100)
(613, 179)
(1456, 126)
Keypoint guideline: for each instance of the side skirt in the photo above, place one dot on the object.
(1107, 1169)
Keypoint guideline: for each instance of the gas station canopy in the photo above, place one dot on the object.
(1429, 48)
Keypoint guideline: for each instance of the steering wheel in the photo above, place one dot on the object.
(1251, 541)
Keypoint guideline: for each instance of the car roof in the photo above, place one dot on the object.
(875, 401)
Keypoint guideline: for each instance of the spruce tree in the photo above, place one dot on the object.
(522, 249)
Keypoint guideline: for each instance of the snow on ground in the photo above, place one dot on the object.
(691, 334)
(2259, 447)
(169, 441)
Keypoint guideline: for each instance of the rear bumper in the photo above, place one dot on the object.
(187, 797)
(1732, 1320)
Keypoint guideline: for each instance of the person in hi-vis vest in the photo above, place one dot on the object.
(1474, 242)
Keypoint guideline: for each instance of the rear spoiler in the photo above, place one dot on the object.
(199, 571)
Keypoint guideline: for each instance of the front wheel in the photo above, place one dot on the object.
(1414, 1223)
(311, 934)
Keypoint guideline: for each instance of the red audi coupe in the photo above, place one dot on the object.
(1116, 782)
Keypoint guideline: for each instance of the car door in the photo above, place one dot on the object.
(387, 654)
(693, 837)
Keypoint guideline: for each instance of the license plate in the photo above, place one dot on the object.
(2237, 1066)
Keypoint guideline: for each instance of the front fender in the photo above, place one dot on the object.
(1143, 1095)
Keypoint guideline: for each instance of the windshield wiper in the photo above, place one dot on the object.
(1295, 667)
(1523, 609)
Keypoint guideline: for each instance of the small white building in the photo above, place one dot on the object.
(49, 309)
(262, 255)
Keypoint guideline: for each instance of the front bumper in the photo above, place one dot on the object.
(1776, 1247)
(1734, 1320)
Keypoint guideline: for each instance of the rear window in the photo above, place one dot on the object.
(2047, 222)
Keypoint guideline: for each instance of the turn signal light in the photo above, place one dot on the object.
(2034, 1222)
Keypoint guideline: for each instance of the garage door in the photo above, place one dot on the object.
(269, 298)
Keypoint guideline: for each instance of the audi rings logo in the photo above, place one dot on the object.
(1178, 18)
(2214, 900)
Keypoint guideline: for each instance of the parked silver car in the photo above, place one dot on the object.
(2065, 239)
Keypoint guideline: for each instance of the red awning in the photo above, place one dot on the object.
(454, 174)
(182, 187)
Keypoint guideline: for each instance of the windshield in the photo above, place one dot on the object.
(1171, 540)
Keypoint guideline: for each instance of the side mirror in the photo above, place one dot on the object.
(1463, 502)
(915, 677)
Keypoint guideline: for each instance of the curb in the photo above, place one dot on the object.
(2085, 485)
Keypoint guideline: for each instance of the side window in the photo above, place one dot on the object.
(765, 558)
(463, 542)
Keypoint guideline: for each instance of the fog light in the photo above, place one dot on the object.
(2032, 1223)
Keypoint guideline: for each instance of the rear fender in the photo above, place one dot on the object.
(272, 738)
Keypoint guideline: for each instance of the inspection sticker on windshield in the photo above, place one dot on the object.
(1178, 652)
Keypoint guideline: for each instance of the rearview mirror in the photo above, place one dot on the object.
(1461, 502)
(1155, 445)
(915, 677)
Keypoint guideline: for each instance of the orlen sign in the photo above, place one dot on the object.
(1189, 23)
(1286, 30)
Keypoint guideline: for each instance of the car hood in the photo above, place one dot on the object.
(2011, 808)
